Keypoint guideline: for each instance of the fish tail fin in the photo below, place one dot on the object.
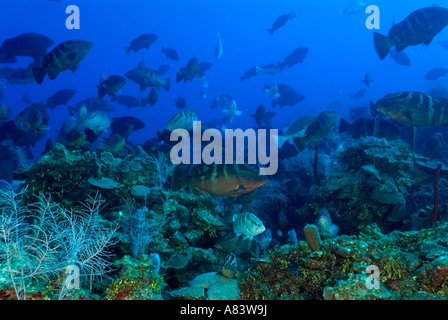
(271, 31)
(163, 49)
(242, 79)
(144, 102)
(300, 143)
(166, 84)
(39, 74)
(127, 49)
(180, 75)
(383, 44)
(342, 12)
(200, 75)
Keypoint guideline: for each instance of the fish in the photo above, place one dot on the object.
(204, 66)
(287, 96)
(182, 120)
(163, 69)
(35, 117)
(436, 73)
(229, 180)
(190, 71)
(180, 103)
(439, 91)
(271, 92)
(262, 117)
(128, 101)
(64, 56)
(272, 68)
(22, 76)
(419, 27)
(359, 94)
(170, 53)
(297, 56)
(146, 77)
(113, 144)
(218, 49)
(32, 45)
(110, 85)
(94, 104)
(316, 130)
(232, 112)
(323, 222)
(252, 72)
(4, 58)
(152, 98)
(222, 100)
(61, 97)
(296, 129)
(281, 21)
(229, 266)
(413, 108)
(354, 7)
(364, 127)
(359, 113)
(400, 58)
(71, 135)
(248, 225)
(97, 121)
(124, 126)
(367, 79)
(141, 42)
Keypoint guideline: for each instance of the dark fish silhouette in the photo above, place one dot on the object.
(252, 72)
(141, 42)
(32, 45)
(287, 96)
(60, 98)
(436, 73)
(190, 71)
(180, 103)
(359, 94)
(64, 56)
(281, 21)
(297, 56)
(367, 79)
(400, 58)
(170, 53)
(420, 27)
(262, 117)
(128, 101)
(146, 77)
(152, 98)
(110, 85)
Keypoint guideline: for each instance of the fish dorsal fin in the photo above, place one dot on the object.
(103, 78)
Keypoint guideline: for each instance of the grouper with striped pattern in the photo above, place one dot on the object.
(218, 179)
(65, 56)
(413, 108)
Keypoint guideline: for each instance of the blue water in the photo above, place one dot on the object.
(341, 52)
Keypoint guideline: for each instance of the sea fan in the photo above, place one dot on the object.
(38, 242)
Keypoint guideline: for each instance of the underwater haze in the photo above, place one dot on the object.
(92, 91)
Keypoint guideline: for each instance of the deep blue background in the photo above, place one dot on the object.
(341, 52)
